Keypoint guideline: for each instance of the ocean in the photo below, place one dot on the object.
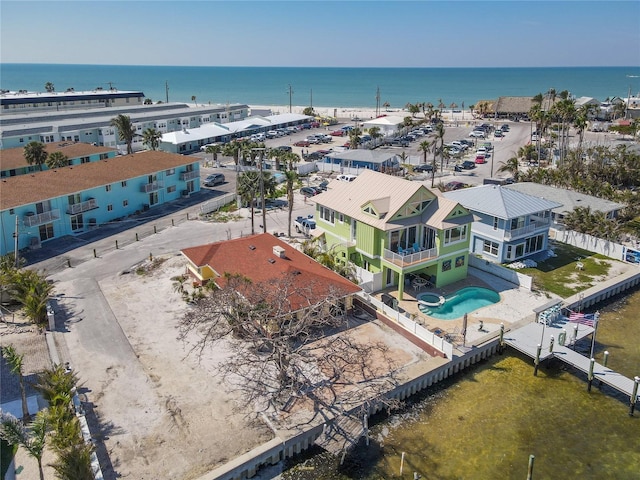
(325, 87)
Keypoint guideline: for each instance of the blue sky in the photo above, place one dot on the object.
(322, 33)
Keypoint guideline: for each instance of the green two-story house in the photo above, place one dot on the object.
(392, 229)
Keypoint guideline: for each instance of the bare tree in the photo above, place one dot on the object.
(289, 341)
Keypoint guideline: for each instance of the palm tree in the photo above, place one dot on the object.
(57, 160)
(214, 150)
(439, 142)
(193, 99)
(375, 134)
(15, 361)
(511, 166)
(151, 138)
(32, 439)
(35, 154)
(49, 87)
(354, 137)
(386, 106)
(74, 463)
(126, 130)
(32, 290)
(291, 177)
(232, 149)
(413, 109)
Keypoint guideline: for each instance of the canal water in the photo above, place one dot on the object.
(485, 422)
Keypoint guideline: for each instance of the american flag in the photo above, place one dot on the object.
(583, 318)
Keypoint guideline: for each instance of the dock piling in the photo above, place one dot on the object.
(530, 469)
(536, 361)
(634, 396)
(592, 362)
(401, 463)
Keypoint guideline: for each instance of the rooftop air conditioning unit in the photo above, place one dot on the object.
(279, 251)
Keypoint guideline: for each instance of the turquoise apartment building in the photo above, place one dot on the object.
(43, 206)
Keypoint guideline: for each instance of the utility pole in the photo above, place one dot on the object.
(310, 101)
(166, 90)
(15, 234)
(378, 102)
(262, 200)
(290, 97)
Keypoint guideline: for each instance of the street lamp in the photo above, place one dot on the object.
(290, 91)
(262, 201)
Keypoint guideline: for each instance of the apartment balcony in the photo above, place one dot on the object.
(152, 187)
(77, 208)
(409, 258)
(33, 219)
(540, 224)
(186, 176)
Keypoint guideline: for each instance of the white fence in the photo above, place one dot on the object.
(511, 276)
(217, 203)
(411, 326)
(589, 242)
(369, 281)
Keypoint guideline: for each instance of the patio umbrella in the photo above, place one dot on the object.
(464, 329)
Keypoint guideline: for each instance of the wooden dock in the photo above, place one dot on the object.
(527, 338)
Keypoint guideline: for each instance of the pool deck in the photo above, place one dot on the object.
(516, 307)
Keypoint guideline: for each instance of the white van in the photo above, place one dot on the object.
(346, 178)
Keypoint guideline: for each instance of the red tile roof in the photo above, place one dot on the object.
(11, 158)
(254, 258)
(38, 186)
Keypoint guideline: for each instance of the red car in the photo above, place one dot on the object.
(481, 159)
(338, 133)
(302, 143)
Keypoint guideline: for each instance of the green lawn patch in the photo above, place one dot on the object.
(560, 274)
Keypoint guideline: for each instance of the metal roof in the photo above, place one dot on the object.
(362, 155)
(568, 199)
(500, 202)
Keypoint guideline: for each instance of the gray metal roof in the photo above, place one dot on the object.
(568, 199)
(362, 155)
(497, 201)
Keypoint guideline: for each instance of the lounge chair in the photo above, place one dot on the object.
(416, 247)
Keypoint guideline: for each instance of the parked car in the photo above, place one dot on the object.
(478, 134)
(498, 134)
(214, 179)
(481, 159)
(272, 134)
(454, 186)
(302, 143)
(468, 165)
(423, 167)
(309, 191)
(284, 148)
(338, 133)
(323, 185)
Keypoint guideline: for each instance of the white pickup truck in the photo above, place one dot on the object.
(305, 224)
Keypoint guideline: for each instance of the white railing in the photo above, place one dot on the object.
(82, 206)
(410, 325)
(409, 259)
(532, 227)
(152, 187)
(40, 218)
(184, 176)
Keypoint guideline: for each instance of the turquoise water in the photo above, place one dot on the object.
(463, 301)
(328, 87)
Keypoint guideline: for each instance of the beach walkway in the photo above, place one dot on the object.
(527, 338)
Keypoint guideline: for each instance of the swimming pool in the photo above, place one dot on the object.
(457, 304)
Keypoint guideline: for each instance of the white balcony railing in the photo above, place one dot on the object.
(77, 208)
(41, 218)
(410, 259)
(532, 227)
(185, 176)
(152, 187)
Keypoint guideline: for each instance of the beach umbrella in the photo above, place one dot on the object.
(464, 329)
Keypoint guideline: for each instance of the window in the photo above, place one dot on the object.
(46, 231)
(327, 214)
(73, 199)
(125, 203)
(104, 156)
(153, 198)
(77, 222)
(517, 223)
(490, 247)
(107, 188)
(456, 234)
(341, 217)
(109, 208)
(171, 171)
(123, 183)
(171, 189)
(84, 160)
(495, 223)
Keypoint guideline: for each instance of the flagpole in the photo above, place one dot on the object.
(593, 336)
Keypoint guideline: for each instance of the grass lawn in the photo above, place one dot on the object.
(559, 274)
